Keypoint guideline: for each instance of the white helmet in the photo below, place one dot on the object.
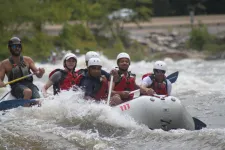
(91, 54)
(94, 62)
(68, 56)
(123, 55)
(160, 65)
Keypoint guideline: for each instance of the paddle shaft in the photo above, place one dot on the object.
(132, 92)
(110, 90)
(18, 79)
(4, 96)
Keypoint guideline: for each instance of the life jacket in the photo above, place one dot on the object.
(159, 88)
(126, 83)
(80, 71)
(146, 75)
(66, 81)
(100, 92)
(19, 70)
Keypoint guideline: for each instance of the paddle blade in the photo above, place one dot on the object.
(199, 124)
(173, 77)
(136, 94)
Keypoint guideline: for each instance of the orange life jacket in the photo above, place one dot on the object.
(66, 82)
(99, 93)
(159, 88)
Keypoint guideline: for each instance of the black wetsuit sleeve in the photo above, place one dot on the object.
(56, 77)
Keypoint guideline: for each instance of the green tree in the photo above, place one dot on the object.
(199, 36)
(76, 36)
(14, 17)
(25, 19)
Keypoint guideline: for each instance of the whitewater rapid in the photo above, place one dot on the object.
(69, 122)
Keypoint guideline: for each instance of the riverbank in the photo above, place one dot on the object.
(166, 36)
(177, 45)
(156, 24)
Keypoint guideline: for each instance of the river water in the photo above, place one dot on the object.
(69, 123)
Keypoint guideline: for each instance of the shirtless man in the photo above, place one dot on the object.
(17, 66)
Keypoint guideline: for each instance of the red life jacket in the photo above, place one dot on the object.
(159, 88)
(66, 82)
(145, 75)
(126, 83)
(102, 92)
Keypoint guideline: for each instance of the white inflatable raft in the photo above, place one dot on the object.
(156, 112)
(160, 113)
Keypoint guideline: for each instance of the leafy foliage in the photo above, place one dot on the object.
(26, 18)
(76, 36)
(38, 46)
(199, 36)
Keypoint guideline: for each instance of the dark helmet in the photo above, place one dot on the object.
(14, 40)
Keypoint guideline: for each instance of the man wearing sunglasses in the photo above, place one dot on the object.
(17, 66)
(156, 82)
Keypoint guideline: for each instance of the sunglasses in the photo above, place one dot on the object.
(14, 46)
(159, 71)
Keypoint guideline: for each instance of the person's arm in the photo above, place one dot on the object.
(114, 73)
(53, 79)
(143, 90)
(37, 71)
(146, 82)
(45, 88)
(123, 94)
(169, 87)
(2, 74)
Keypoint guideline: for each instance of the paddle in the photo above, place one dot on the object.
(199, 124)
(173, 77)
(110, 90)
(4, 96)
(136, 93)
(18, 79)
(13, 81)
(132, 92)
